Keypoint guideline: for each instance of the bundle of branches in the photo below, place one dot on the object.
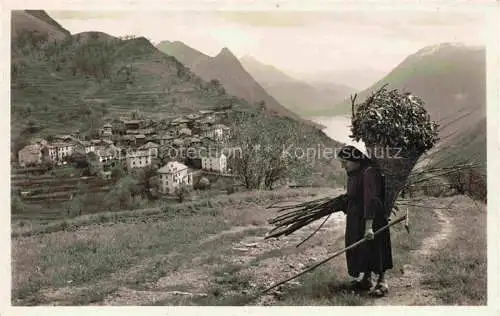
(396, 130)
(297, 216)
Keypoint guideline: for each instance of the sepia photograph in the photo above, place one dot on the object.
(249, 157)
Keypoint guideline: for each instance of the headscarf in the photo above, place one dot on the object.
(351, 153)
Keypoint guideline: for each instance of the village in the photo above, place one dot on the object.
(137, 143)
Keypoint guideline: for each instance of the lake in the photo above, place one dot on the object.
(337, 128)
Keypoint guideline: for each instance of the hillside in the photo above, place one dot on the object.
(300, 97)
(451, 79)
(227, 69)
(76, 82)
(39, 21)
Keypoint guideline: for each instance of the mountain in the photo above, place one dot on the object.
(36, 21)
(357, 78)
(227, 69)
(77, 81)
(451, 79)
(300, 97)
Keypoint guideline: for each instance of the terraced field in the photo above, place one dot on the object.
(45, 195)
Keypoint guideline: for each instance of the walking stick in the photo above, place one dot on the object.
(338, 253)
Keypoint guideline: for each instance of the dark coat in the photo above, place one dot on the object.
(364, 192)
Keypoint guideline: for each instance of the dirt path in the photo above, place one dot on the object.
(264, 262)
(260, 261)
(239, 260)
(407, 289)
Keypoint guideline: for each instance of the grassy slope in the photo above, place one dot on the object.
(105, 257)
(174, 229)
(459, 273)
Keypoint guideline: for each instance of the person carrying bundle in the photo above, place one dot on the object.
(396, 130)
(365, 214)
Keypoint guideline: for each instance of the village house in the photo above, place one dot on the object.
(140, 139)
(152, 147)
(49, 152)
(152, 139)
(146, 131)
(166, 139)
(108, 156)
(173, 175)
(193, 116)
(178, 142)
(126, 140)
(221, 132)
(30, 155)
(85, 146)
(217, 132)
(196, 141)
(138, 159)
(132, 124)
(132, 132)
(171, 132)
(216, 163)
(65, 138)
(39, 141)
(63, 149)
(107, 131)
(205, 112)
(179, 122)
(185, 132)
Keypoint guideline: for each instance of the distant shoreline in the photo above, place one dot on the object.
(337, 127)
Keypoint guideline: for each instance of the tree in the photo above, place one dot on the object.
(182, 193)
(261, 140)
(94, 165)
(148, 178)
(203, 184)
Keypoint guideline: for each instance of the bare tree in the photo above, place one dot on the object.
(262, 140)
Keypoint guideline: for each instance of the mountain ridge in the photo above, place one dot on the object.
(451, 79)
(226, 68)
(301, 97)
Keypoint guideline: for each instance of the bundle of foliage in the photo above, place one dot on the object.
(390, 118)
(396, 129)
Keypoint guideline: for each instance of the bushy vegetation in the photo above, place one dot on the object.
(266, 149)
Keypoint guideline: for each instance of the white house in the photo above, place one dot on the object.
(217, 164)
(138, 159)
(185, 132)
(221, 132)
(63, 149)
(173, 175)
(48, 152)
(108, 154)
(218, 132)
(85, 146)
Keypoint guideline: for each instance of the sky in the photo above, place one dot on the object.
(295, 42)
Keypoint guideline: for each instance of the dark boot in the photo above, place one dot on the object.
(364, 285)
(381, 289)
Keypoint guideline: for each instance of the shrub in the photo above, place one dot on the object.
(182, 193)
